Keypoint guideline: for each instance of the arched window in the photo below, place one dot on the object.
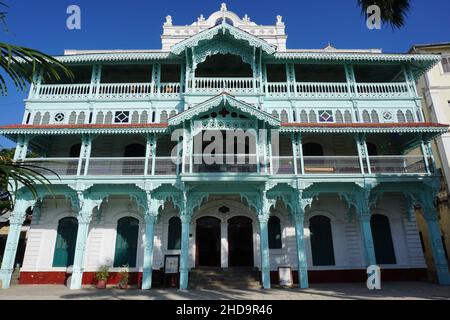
(372, 149)
(321, 241)
(284, 116)
(312, 149)
(174, 238)
(275, 114)
(163, 116)
(65, 242)
(366, 116)
(274, 230)
(382, 239)
(126, 242)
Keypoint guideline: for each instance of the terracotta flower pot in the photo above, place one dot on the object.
(101, 284)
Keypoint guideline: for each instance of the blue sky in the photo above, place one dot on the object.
(137, 24)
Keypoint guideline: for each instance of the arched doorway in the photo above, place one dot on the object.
(240, 242)
(208, 242)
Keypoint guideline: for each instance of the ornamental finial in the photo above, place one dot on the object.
(279, 19)
(168, 21)
(223, 7)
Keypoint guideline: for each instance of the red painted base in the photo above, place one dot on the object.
(135, 278)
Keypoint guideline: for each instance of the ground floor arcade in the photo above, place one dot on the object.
(328, 233)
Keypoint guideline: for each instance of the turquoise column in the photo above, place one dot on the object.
(184, 263)
(299, 217)
(437, 248)
(84, 219)
(15, 225)
(148, 251)
(366, 230)
(264, 248)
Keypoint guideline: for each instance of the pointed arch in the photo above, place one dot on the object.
(347, 116)
(338, 117)
(400, 116)
(312, 117)
(135, 117)
(73, 117)
(108, 117)
(46, 118)
(37, 118)
(275, 114)
(374, 116)
(303, 117)
(284, 116)
(163, 117)
(144, 117)
(409, 116)
(99, 118)
(81, 118)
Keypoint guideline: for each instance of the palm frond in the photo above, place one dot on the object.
(21, 63)
(393, 12)
(15, 175)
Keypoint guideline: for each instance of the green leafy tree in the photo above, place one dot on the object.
(20, 64)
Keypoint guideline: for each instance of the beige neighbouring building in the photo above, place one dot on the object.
(434, 86)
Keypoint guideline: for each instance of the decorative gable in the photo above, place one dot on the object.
(225, 100)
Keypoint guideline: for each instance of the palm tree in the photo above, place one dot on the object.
(20, 64)
(393, 12)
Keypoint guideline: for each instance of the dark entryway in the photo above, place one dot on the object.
(208, 242)
(240, 242)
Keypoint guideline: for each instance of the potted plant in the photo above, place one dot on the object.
(102, 276)
(123, 277)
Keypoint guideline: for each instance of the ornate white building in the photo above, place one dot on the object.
(323, 183)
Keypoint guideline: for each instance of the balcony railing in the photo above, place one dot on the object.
(217, 85)
(324, 165)
(332, 165)
(397, 164)
(214, 85)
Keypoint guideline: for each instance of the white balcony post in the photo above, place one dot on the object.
(294, 151)
(87, 153)
(148, 151)
(194, 66)
(95, 81)
(254, 70)
(158, 79)
(300, 153)
(154, 155)
(360, 153)
(425, 154)
(288, 79)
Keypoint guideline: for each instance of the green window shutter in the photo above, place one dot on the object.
(382, 239)
(126, 242)
(174, 238)
(321, 241)
(274, 230)
(65, 242)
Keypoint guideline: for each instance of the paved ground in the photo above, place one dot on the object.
(390, 290)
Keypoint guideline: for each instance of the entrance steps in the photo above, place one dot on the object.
(218, 278)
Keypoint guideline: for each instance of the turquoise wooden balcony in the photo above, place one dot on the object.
(214, 85)
(283, 165)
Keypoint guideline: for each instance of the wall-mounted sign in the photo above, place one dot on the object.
(171, 263)
(285, 276)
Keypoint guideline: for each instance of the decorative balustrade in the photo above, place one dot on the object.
(322, 89)
(123, 90)
(331, 165)
(240, 163)
(214, 85)
(218, 85)
(387, 89)
(169, 89)
(62, 91)
(397, 164)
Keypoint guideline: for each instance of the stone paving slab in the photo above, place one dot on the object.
(390, 290)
